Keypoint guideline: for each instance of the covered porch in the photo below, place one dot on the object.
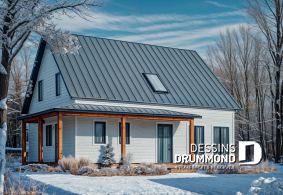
(123, 114)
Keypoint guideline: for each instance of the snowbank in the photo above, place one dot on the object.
(270, 185)
(267, 186)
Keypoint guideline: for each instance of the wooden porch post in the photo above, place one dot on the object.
(59, 130)
(123, 138)
(192, 136)
(24, 141)
(40, 140)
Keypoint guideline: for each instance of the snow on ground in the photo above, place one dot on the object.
(174, 183)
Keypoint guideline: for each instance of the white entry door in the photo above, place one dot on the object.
(49, 142)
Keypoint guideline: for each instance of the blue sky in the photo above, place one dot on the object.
(188, 24)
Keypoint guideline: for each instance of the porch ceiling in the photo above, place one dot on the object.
(118, 110)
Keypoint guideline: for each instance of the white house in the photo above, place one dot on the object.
(160, 99)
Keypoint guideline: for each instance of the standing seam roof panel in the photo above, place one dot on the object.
(217, 82)
(203, 81)
(123, 72)
(113, 70)
(186, 73)
(108, 70)
(138, 70)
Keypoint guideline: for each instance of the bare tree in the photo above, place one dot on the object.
(267, 15)
(237, 59)
(22, 20)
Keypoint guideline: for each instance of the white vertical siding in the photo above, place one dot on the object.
(33, 142)
(47, 72)
(68, 136)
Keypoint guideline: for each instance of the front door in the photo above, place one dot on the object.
(49, 145)
(164, 143)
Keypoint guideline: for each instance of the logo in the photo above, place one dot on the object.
(242, 152)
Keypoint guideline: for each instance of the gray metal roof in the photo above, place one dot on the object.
(113, 70)
(125, 110)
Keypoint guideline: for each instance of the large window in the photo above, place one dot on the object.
(127, 133)
(199, 137)
(221, 138)
(155, 82)
(40, 91)
(48, 135)
(58, 84)
(99, 129)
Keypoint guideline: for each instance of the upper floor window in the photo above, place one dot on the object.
(40, 90)
(155, 82)
(58, 84)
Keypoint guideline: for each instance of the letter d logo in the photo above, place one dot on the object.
(242, 152)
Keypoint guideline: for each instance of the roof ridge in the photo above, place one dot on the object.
(133, 42)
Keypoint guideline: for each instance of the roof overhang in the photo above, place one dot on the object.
(113, 111)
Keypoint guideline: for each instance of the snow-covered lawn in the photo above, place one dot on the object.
(178, 183)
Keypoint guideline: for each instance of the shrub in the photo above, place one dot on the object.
(87, 170)
(69, 164)
(53, 169)
(128, 159)
(83, 162)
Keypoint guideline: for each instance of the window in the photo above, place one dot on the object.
(58, 84)
(99, 129)
(127, 133)
(155, 82)
(199, 137)
(48, 135)
(221, 137)
(40, 91)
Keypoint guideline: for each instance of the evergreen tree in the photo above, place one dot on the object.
(108, 157)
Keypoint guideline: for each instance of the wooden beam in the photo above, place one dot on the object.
(33, 119)
(59, 130)
(192, 136)
(40, 140)
(127, 116)
(24, 141)
(123, 138)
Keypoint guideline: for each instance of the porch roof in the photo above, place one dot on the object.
(119, 110)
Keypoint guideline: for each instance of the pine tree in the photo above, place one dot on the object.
(108, 157)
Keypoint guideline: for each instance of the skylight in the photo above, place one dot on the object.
(155, 82)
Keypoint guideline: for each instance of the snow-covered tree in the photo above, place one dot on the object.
(108, 157)
(26, 20)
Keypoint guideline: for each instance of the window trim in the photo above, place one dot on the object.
(105, 132)
(151, 85)
(58, 79)
(130, 125)
(40, 90)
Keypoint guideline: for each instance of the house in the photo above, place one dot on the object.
(149, 100)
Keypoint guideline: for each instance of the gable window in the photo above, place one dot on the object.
(127, 133)
(155, 82)
(221, 138)
(199, 137)
(40, 90)
(99, 132)
(49, 135)
(58, 84)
